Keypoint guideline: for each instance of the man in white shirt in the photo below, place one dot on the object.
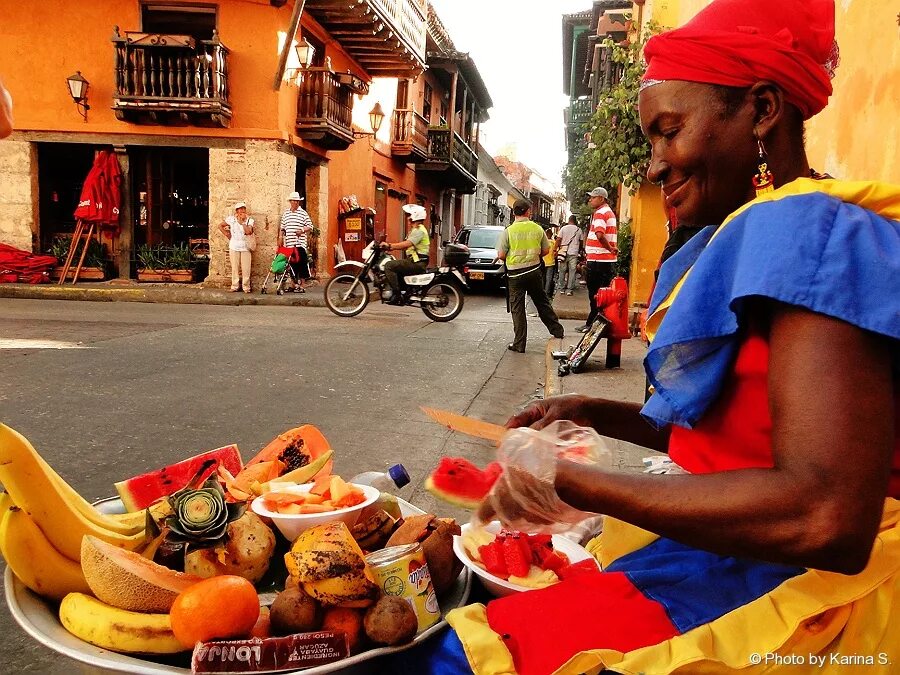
(295, 227)
(569, 241)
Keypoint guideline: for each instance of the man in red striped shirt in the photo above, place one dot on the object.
(600, 248)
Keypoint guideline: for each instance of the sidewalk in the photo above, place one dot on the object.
(620, 384)
(184, 294)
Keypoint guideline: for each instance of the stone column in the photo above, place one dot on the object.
(262, 174)
(19, 221)
(126, 215)
(317, 206)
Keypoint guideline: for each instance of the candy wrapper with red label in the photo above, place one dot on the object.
(270, 655)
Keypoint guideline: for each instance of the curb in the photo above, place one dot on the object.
(552, 380)
(162, 293)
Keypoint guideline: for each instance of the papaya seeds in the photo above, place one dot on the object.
(391, 621)
(293, 611)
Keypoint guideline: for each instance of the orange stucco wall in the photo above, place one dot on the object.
(35, 65)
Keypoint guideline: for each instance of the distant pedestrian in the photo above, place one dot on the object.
(601, 250)
(237, 228)
(569, 241)
(293, 232)
(521, 247)
(551, 269)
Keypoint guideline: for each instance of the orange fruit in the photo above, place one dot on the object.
(218, 607)
(350, 621)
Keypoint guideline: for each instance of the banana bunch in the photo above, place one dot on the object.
(329, 564)
(43, 519)
(117, 629)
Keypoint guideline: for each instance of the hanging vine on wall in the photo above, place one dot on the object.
(617, 152)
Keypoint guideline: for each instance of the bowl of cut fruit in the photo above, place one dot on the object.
(510, 562)
(294, 508)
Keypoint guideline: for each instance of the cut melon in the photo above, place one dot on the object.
(128, 580)
(457, 481)
(141, 491)
(296, 448)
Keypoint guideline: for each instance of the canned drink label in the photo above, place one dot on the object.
(407, 576)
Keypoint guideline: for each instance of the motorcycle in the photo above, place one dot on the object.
(438, 292)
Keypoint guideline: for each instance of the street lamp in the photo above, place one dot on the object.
(305, 53)
(376, 118)
(78, 89)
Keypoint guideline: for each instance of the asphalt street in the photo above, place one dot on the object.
(108, 390)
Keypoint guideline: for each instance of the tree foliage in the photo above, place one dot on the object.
(617, 152)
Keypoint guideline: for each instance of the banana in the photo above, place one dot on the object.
(33, 559)
(117, 629)
(34, 491)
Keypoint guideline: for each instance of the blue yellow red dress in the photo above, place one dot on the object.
(660, 606)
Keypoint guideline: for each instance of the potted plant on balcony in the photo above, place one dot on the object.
(94, 265)
(173, 264)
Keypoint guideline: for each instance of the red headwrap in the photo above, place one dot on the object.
(740, 42)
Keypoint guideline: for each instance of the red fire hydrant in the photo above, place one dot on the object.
(613, 304)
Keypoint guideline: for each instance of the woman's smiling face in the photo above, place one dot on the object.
(703, 158)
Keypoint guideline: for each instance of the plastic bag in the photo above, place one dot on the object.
(524, 497)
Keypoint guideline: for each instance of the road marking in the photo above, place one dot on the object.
(13, 343)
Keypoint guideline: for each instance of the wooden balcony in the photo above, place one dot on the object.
(325, 108)
(171, 80)
(449, 153)
(580, 112)
(386, 37)
(410, 138)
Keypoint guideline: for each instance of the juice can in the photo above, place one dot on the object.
(402, 571)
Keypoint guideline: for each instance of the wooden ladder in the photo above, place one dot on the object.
(78, 237)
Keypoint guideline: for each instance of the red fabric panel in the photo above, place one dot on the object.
(543, 629)
(736, 432)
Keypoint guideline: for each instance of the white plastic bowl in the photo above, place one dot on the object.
(291, 525)
(500, 587)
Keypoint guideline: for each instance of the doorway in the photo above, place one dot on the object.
(171, 195)
(62, 170)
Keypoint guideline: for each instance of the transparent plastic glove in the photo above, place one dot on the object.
(524, 497)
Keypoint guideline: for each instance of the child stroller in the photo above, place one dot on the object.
(280, 270)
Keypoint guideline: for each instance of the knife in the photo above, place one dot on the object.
(466, 425)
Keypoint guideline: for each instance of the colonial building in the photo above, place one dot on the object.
(494, 195)
(208, 104)
(549, 205)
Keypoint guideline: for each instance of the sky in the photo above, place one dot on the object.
(517, 46)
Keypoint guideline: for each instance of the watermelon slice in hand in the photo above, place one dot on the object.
(141, 491)
(458, 481)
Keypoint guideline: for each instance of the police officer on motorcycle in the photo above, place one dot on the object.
(416, 245)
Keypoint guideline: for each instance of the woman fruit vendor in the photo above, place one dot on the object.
(774, 359)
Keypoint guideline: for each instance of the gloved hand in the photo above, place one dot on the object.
(543, 413)
(524, 497)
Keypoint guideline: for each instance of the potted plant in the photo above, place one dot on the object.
(165, 263)
(94, 265)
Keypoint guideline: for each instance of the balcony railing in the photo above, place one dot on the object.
(325, 109)
(170, 79)
(409, 17)
(581, 111)
(410, 135)
(386, 37)
(448, 150)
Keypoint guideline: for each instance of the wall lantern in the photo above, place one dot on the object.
(78, 90)
(305, 53)
(376, 118)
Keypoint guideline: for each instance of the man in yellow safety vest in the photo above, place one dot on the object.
(521, 246)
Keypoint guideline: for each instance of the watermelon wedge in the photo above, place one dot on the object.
(140, 491)
(457, 481)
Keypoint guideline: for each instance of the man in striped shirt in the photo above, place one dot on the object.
(295, 226)
(601, 250)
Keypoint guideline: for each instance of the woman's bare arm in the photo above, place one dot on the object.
(831, 401)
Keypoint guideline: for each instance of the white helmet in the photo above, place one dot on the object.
(415, 212)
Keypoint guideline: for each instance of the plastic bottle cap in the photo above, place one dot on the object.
(399, 475)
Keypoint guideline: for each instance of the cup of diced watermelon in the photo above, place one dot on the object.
(496, 558)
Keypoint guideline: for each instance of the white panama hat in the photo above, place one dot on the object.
(240, 205)
(295, 197)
